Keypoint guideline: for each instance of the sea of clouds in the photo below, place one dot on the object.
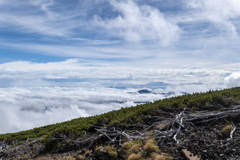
(26, 108)
(37, 94)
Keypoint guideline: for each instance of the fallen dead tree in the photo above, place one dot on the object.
(176, 129)
(173, 129)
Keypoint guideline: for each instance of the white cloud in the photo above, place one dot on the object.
(77, 72)
(44, 5)
(38, 17)
(233, 80)
(187, 88)
(26, 108)
(220, 12)
(218, 9)
(29, 66)
(32, 24)
(137, 23)
(27, 101)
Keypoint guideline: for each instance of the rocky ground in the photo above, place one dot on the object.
(211, 132)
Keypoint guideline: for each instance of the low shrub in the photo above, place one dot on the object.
(227, 130)
(112, 152)
(150, 148)
(98, 148)
(79, 157)
(168, 158)
(159, 157)
(135, 148)
(19, 143)
(134, 157)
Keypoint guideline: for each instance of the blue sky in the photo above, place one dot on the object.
(205, 33)
(82, 57)
(101, 34)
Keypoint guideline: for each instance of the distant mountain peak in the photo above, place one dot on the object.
(145, 91)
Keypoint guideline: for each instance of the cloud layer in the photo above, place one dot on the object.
(28, 98)
(78, 73)
(26, 108)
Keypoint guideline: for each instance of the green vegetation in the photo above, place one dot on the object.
(134, 157)
(149, 151)
(112, 152)
(79, 157)
(21, 142)
(125, 116)
(168, 158)
(149, 148)
(130, 149)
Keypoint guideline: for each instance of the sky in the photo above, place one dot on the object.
(61, 60)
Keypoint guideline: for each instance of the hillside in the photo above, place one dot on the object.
(172, 119)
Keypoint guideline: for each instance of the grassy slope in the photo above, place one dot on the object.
(76, 127)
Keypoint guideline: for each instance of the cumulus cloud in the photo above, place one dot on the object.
(138, 22)
(233, 80)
